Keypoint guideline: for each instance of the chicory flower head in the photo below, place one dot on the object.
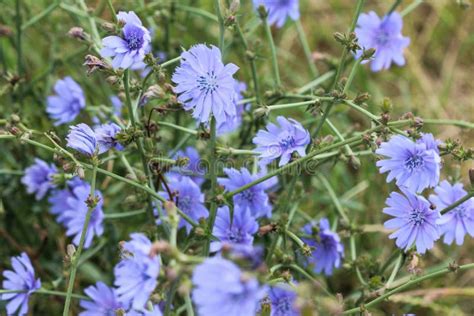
(280, 10)
(73, 216)
(106, 137)
(385, 36)
(38, 178)
(22, 278)
(194, 169)
(188, 199)
(104, 301)
(136, 274)
(327, 249)
(254, 197)
(415, 165)
(220, 288)
(83, 139)
(59, 198)
(283, 300)
(237, 230)
(458, 222)
(281, 141)
(129, 49)
(69, 100)
(205, 85)
(415, 221)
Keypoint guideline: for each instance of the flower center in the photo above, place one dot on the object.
(382, 38)
(185, 203)
(208, 83)
(287, 142)
(414, 162)
(283, 306)
(417, 217)
(247, 195)
(235, 236)
(134, 39)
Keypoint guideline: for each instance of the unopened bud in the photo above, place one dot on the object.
(263, 230)
(368, 53)
(361, 98)
(109, 27)
(262, 12)
(471, 176)
(80, 172)
(70, 250)
(341, 38)
(5, 31)
(15, 118)
(78, 33)
(262, 111)
(234, 6)
(386, 105)
(94, 63)
(354, 162)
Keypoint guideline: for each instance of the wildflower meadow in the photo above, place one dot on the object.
(237, 158)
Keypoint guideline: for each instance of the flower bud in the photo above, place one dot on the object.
(78, 33)
(94, 63)
(262, 111)
(5, 31)
(368, 54)
(109, 27)
(262, 12)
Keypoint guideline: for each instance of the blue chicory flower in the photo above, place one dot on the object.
(327, 249)
(83, 139)
(69, 100)
(237, 230)
(105, 136)
(22, 278)
(73, 216)
(415, 165)
(385, 36)
(195, 169)
(283, 300)
(59, 198)
(38, 178)
(232, 123)
(188, 199)
(254, 197)
(415, 221)
(129, 49)
(458, 222)
(117, 105)
(220, 288)
(279, 10)
(137, 273)
(205, 85)
(104, 301)
(281, 141)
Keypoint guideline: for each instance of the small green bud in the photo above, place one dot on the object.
(386, 105)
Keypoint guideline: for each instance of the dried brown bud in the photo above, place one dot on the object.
(94, 63)
(159, 246)
(78, 33)
(471, 176)
(5, 31)
(263, 230)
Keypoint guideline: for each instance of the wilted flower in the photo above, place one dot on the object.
(136, 274)
(385, 36)
(38, 178)
(327, 249)
(67, 103)
(279, 10)
(189, 199)
(254, 197)
(83, 139)
(415, 165)
(130, 49)
(104, 301)
(73, 216)
(22, 279)
(460, 220)
(205, 85)
(238, 229)
(281, 141)
(414, 220)
(283, 300)
(105, 135)
(221, 288)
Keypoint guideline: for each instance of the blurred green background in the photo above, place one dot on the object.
(437, 82)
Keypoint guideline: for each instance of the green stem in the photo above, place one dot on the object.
(296, 239)
(296, 104)
(213, 178)
(58, 293)
(41, 15)
(189, 305)
(459, 123)
(197, 11)
(93, 27)
(112, 10)
(170, 62)
(394, 6)
(457, 203)
(395, 270)
(333, 196)
(276, 70)
(410, 283)
(251, 59)
(352, 75)
(220, 20)
(354, 258)
(77, 255)
(411, 7)
(316, 82)
(123, 214)
(306, 49)
(177, 127)
(362, 110)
